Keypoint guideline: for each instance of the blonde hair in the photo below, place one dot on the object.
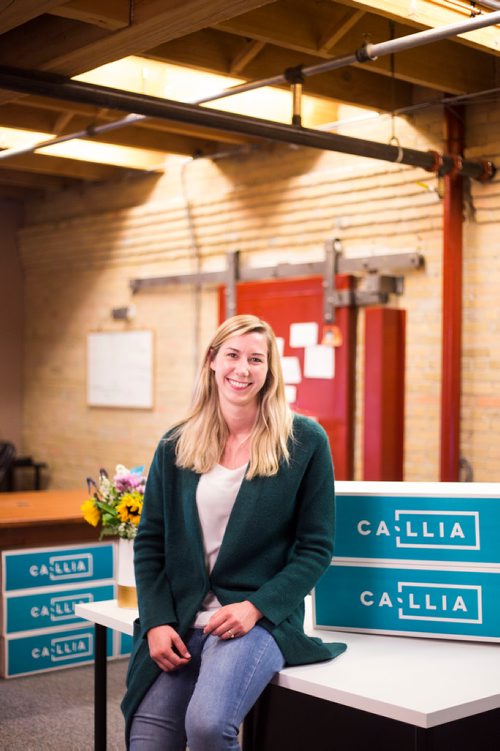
(202, 436)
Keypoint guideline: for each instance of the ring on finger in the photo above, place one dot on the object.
(230, 632)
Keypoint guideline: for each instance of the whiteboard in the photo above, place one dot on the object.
(120, 369)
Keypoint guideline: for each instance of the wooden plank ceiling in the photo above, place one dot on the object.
(250, 39)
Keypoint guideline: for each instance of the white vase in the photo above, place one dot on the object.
(126, 591)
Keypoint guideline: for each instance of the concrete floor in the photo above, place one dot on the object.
(55, 710)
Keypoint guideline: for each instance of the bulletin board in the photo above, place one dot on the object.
(120, 369)
(319, 381)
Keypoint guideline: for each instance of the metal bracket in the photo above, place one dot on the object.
(233, 274)
(374, 287)
(332, 250)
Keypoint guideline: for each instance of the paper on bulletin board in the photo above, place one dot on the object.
(319, 362)
(291, 370)
(303, 334)
(280, 343)
(291, 394)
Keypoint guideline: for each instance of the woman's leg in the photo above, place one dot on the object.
(158, 724)
(232, 676)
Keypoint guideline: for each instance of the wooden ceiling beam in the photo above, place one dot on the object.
(444, 66)
(52, 165)
(61, 122)
(13, 193)
(41, 114)
(337, 32)
(422, 15)
(112, 14)
(300, 25)
(61, 37)
(71, 47)
(363, 87)
(16, 13)
(131, 136)
(36, 181)
(250, 48)
(155, 21)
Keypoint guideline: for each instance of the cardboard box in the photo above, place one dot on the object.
(413, 600)
(32, 610)
(419, 522)
(69, 564)
(123, 645)
(48, 649)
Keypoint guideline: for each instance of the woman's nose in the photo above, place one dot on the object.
(242, 367)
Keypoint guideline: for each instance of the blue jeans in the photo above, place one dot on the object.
(205, 702)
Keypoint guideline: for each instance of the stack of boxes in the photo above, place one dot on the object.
(419, 559)
(40, 588)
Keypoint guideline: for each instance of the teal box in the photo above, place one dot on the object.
(50, 607)
(423, 528)
(43, 567)
(417, 601)
(125, 644)
(49, 650)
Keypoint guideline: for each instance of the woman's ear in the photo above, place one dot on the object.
(211, 357)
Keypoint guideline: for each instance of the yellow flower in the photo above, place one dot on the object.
(91, 513)
(130, 506)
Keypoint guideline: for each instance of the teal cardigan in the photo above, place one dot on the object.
(278, 542)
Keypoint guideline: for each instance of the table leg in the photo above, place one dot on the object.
(100, 688)
(421, 739)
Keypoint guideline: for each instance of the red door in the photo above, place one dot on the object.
(330, 401)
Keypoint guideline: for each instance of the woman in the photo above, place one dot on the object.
(236, 528)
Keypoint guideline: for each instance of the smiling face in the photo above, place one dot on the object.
(240, 367)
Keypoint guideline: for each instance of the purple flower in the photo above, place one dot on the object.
(127, 482)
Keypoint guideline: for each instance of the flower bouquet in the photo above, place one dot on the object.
(116, 503)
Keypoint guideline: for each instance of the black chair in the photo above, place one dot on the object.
(9, 462)
(7, 458)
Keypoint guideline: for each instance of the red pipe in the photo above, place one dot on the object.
(452, 300)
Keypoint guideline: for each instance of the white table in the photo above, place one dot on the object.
(104, 615)
(422, 682)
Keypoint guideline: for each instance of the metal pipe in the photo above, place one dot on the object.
(63, 88)
(452, 304)
(371, 52)
(490, 4)
(297, 104)
(363, 54)
(430, 35)
(89, 132)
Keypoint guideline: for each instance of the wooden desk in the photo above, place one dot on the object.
(43, 517)
(386, 693)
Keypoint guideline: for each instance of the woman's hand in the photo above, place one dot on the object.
(167, 648)
(234, 620)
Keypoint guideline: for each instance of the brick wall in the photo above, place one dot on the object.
(274, 204)
(11, 325)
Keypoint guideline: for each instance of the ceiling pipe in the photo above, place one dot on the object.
(490, 4)
(65, 89)
(296, 75)
(370, 51)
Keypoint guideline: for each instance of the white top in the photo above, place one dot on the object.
(215, 497)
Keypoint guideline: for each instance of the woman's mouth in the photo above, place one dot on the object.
(238, 385)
